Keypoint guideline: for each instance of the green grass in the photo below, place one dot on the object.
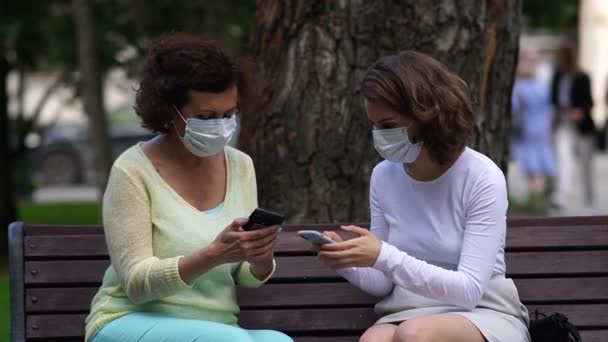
(60, 213)
(529, 207)
(4, 306)
(49, 213)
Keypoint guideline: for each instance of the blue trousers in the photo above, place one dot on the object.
(155, 327)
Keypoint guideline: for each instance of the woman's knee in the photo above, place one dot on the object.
(413, 331)
(379, 333)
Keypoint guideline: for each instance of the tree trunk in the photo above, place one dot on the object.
(7, 193)
(311, 142)
(92, 89)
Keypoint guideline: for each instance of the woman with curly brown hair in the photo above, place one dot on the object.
(435, 251)
(174, 207)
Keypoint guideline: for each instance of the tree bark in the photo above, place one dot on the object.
(311, 141)
(92, 89)
(7, 194)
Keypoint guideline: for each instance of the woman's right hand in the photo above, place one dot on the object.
(236, 245)
(333, 235)
(330, 234)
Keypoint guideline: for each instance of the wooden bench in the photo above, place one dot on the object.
(559, 265)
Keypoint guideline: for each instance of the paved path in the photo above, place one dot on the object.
(81, 193)
(517, 188)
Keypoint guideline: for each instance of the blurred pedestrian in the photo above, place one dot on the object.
(575, 130)
(531, 142)
(602, 139)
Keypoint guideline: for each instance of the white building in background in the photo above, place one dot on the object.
(118, 93)
(593, 51)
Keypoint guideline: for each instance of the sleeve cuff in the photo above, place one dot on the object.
(386, 253)
(245, 277)
(172, 277)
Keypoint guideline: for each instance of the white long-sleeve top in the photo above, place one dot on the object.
(443, 239)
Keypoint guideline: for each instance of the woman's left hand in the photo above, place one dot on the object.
(361, 251)
(262, 262)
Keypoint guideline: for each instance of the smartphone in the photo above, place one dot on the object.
(314, 237)
(261, 218)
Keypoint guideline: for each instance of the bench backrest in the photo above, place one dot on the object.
(558, 264)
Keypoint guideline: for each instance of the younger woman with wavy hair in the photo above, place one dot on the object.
(435, 251)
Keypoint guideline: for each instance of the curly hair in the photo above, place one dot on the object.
(418, 86)
(175, 64)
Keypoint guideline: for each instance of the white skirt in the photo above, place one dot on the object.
(499, 316)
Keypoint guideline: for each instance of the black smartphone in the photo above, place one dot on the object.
(261, 218)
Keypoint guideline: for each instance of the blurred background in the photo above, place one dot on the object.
(53, 144)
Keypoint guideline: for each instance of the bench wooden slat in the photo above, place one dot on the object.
(89, 271)
(71, 272)
(308, 320)
(331, 294)
(562, 290)
(594, 335)
(65, 246)
(53, 230)
(49, 229)
(55, 326)
(303, 295)
(37, 246)
(555, 263)
(578, 290)
(309, 268)
(571, 290)
(545, 238)
(316, 320)
(517, 222)
(557, 238)
(553, 222)
(72, 299)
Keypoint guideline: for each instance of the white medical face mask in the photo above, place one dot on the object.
(205, 138)
(395, 145)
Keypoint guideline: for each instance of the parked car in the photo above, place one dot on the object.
(63, 156)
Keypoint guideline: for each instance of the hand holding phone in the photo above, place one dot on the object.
(261, 218)
(314, 237)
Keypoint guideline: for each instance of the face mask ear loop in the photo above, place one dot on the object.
(407, 130)
(179, 113)
(185, 122)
